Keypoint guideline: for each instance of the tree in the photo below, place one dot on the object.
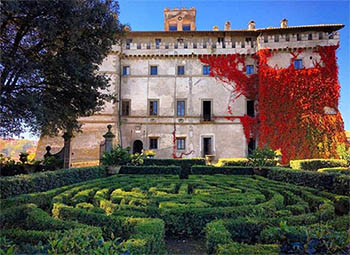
(50, 52)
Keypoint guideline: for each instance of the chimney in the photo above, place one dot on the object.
(215, 28)
(227, 26)
(179, 20)
(251, 25)
(284, 23)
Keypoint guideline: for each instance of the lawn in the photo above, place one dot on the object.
(136, 213)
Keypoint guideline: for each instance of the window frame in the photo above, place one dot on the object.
(177, 70)
(173, 26)
(206, 68)
(127, 68)
(181, 148)
(150, 144)
(150, 70)
(187, 26)
(122, 108)
(252, 69)
(296, 66)
(177, 107)
(149, 107)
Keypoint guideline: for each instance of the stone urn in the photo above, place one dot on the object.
(113, 170)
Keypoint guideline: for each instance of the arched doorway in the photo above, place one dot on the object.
(137, 147)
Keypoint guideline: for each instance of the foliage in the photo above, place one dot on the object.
(315, 164)
(137, 159)
(334, 170)
(234, 170)
(149, 153)
(149, 170)
(291, 102)
(22, 184)
(52, 163)
(50, 52)
(118, 156)
(260, 158)
(335, 183)
(343, 152)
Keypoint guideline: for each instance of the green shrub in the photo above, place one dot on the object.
(222, 170)
(342, 205)
(315, 164)
(316, 180)
(232, 162)
(215, 234)
(262, 157)
(335, 170)
(240, 248)
(173, 162)
(38, 182)
(118, 156)
(149, 170)
(341, 185)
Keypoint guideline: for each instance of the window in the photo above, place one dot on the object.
(153, 143)
(153, 107)
(277, 38)
(154, 70)
(266, 39)
(298, 64)
(287, 38)
(309, 37)
(251, 146)
(250, 108)
(126, 70)
(158, 41)
(220, 39)
(128, 42)
(186, 27)
(125, 107)
(206, 70)
(320, 36)
(330, 35)
(173, 27)
(250, 69)
(180, 70)
(180, 108)
(180, 143)
(298, 37)
(206, 110)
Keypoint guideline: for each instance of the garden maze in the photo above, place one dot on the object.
(234, 213)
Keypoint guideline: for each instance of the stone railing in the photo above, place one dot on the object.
(297, 40)
(189, 48)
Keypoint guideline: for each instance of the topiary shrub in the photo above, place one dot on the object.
(315, 164)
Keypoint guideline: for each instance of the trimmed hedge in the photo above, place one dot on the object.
(38, 182)
(150, 169)
(335, 170)
(334, 183)
(222, 170)
(241, 162)
(315, 164)
(173, 162)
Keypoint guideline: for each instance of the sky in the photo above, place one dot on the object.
(144, 15)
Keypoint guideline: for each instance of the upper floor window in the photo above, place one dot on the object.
(125, 107)
(128, 42)
(266, 39)
(180, 108)
(180, 143)
(250, 108)
(154, 70)
(287, 37)
(173, 27)
(186, 27)
(158, 41)
(126, 70)
(250, 69)
(298, 64)
(277, 38)
(320, 36)
(298, 37)
(153, 107)
(309, 37)
(153, 143)
(180, 70)
(206, 70)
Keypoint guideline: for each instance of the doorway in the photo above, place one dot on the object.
(137, 147)
(207, 110)
(207, 146)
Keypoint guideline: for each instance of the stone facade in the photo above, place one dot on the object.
(165, 92)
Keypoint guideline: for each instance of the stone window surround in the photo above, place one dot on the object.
(149, 107)
(150, 145)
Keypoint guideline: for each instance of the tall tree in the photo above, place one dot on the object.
(50, 52)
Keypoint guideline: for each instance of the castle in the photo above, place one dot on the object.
(168, 101)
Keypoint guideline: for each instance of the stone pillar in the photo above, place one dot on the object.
(67, 149)
(109, 139)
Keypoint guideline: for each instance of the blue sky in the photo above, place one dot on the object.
(144, 15)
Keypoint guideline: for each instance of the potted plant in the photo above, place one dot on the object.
(260, 158)
(116, 158)
(149, 153)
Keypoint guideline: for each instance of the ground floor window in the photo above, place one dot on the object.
(153, 143)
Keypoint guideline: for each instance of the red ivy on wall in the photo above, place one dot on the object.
(291, 102)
